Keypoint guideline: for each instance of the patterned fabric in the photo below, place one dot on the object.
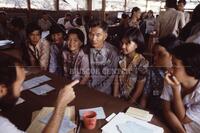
(39, 54)
(131, 73)
(76, 66)
(153, 88)
(103, 65)
(56, 59)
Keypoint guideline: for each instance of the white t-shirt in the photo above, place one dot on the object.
(7, 127)
(192, 104)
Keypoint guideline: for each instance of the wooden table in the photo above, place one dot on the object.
(21, 114)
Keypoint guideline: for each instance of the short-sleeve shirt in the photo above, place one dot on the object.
(129, 75)
(103, 66)
(76, 66)
(7, 127)
(192, 104)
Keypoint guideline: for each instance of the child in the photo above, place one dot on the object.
(133, 67)
(57, 33)
(155, 80)
(38, 49)
(181, 94)
(76, 63)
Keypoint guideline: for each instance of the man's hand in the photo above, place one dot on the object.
(66, 95)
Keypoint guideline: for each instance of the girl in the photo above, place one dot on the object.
(133, 67)
(181, 94)
(76, 63)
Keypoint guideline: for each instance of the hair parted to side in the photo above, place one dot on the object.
(99, 23)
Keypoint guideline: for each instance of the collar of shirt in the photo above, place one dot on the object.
(134, 62)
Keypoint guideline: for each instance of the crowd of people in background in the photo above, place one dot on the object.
(114, 59)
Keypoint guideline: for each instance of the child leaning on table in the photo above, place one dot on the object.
(181, 94)
(162, 61)
(133, 67)
(76, 62)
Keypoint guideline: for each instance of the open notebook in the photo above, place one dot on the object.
(37, 126)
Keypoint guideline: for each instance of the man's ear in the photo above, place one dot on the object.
(105, 36)
(3, 90)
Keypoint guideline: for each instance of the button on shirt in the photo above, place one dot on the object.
(103, 65)
(192, 103)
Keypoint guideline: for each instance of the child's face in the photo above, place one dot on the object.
(178, 69)
(73, 42)
(35, 37)
(162, 58)
(58, 38)
(128, 47)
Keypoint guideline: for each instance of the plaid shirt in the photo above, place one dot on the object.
(103, 65)
(76, 66)
(39, 54)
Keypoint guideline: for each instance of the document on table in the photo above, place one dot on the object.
(28, 84)
(139, 114)
(99, 110)
(66, 124)
(43, 89)
(121, 121)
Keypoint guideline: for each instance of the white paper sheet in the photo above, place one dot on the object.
(99, 110)
(28, 84)
(66, 124)
(43, 89)
(121, 118)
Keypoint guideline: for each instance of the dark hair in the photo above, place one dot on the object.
(171, 3)
(8, 69)
(78, 21)
(189, 54)
(17, 22)
(135, 35)
(98, 23)
(31, 27)
(78, 32)
(169, 42)
(57, 28)
(182, 1)
(196, 14)
(135, 9)
(124, 15)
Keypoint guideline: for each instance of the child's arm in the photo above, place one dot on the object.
(137, 91)
(143, 100)
(171, 118)
(178, 105)
(116, 87)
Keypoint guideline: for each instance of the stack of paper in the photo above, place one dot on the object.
(139, 114)
(38, 123)
(123, 123)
